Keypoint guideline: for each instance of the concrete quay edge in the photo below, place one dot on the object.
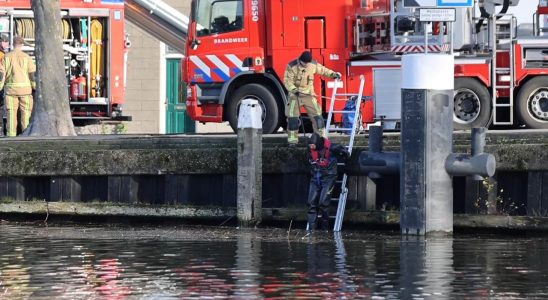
(370, 218)
(189, 154)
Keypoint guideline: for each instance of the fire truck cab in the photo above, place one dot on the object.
(239, 49)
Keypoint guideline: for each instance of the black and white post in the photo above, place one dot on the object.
(427, 161)
(249, 194)
(426, 191)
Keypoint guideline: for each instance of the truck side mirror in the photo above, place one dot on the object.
(195, 43)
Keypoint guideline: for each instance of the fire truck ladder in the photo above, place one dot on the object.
(503, 29)
(356, 124)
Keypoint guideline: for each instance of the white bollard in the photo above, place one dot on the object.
(250, 115)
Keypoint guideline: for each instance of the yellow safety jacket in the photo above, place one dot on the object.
(17, 73)
(301, 79)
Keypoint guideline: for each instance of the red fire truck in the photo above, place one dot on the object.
(95, 49)
(239, 49)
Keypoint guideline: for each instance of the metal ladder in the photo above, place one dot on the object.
(497, 71)
(341, 205)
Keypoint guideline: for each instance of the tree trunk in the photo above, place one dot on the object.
(51, 112)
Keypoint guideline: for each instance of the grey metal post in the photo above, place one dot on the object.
(370, 194)
(374, 162)
(249, 177)
(427, 161)
(426, 191)
(479, 164)
(478, 144)
(375, 146)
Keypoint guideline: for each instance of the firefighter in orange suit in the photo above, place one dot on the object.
(17, 79)
(299, 81)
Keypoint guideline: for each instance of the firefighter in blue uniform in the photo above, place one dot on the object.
(323, 157)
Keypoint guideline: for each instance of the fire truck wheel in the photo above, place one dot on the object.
(472, 104)
(532, 108)
(266, 100)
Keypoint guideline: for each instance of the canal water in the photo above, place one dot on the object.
(76, 262)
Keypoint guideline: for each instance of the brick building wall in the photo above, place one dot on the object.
(146, 78)
(146, 81)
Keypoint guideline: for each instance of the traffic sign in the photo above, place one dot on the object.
(437, 15)
(438, 3)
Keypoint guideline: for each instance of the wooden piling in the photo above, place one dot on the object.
(249, 175)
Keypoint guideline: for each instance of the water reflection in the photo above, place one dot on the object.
(426, 267)
(14, 275)
(192, 263)
(248, 262)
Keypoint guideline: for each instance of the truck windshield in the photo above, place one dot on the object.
(218, 16)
